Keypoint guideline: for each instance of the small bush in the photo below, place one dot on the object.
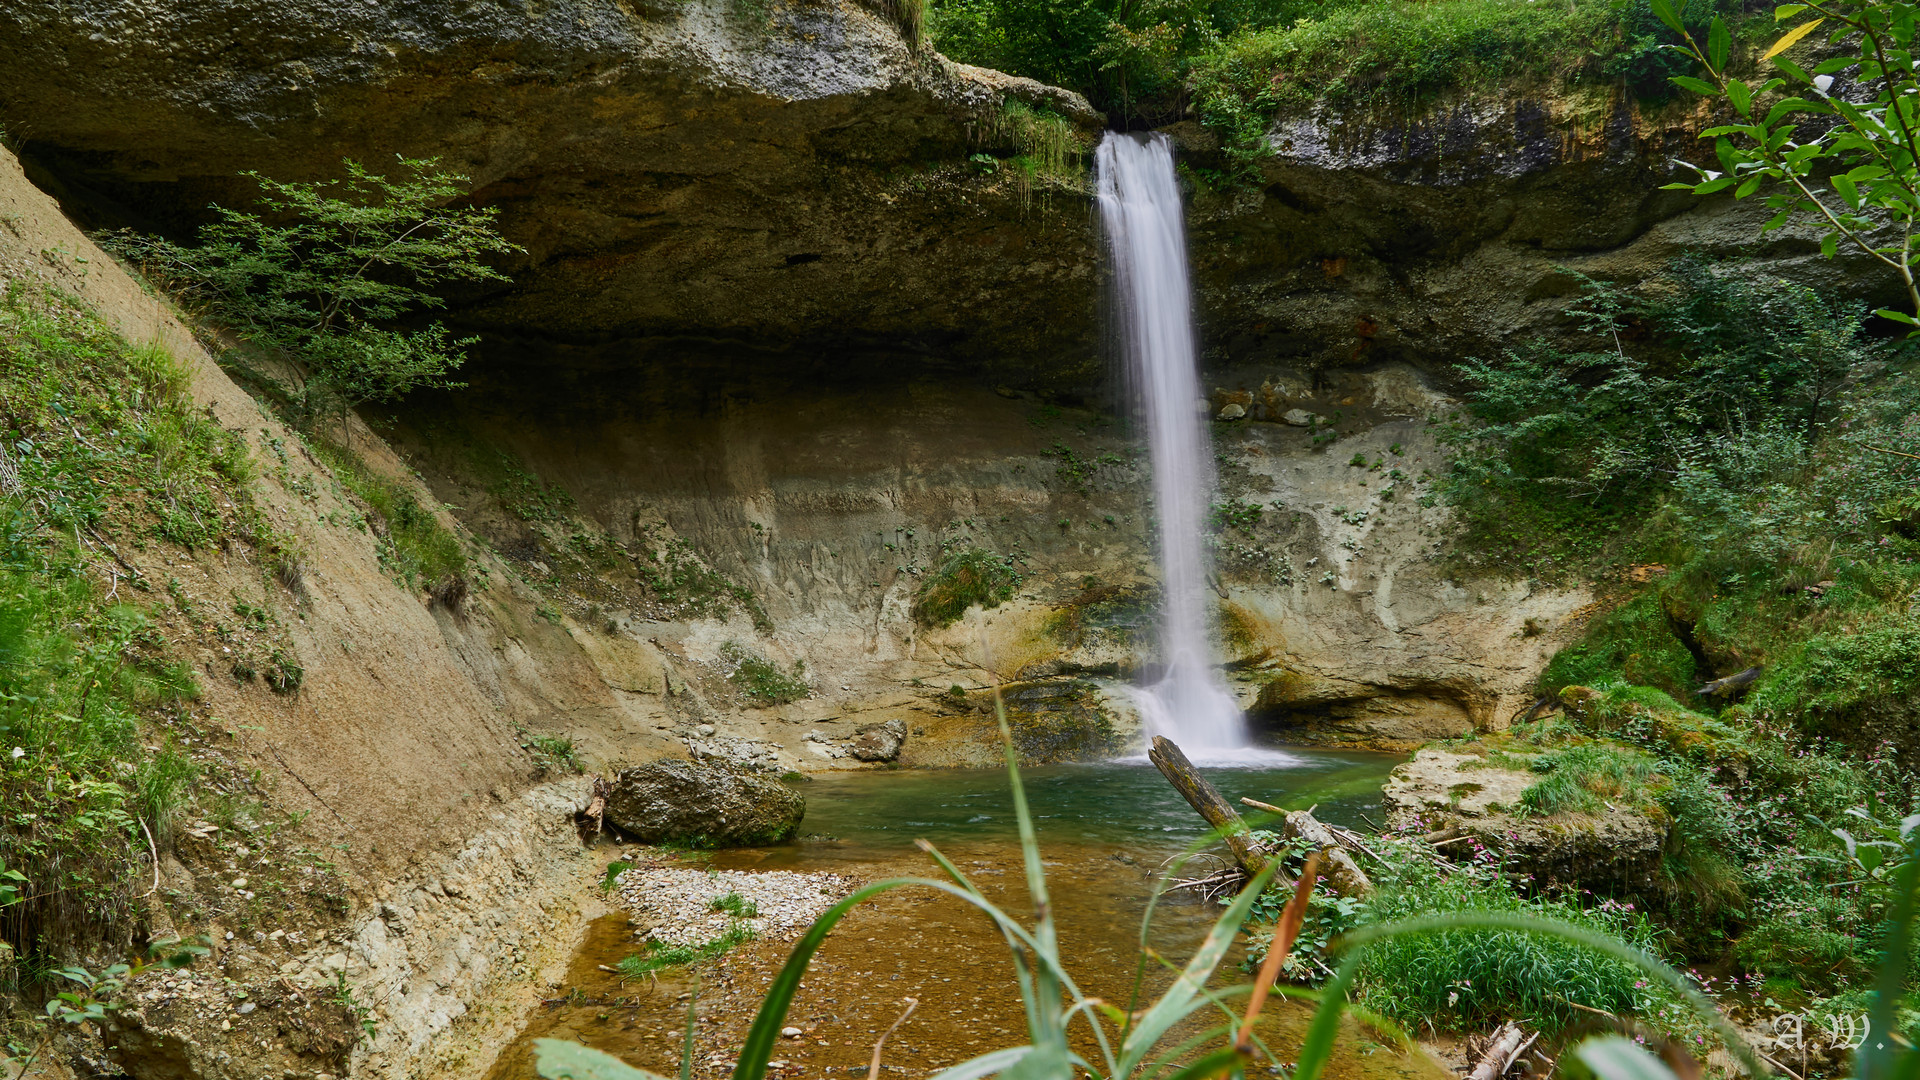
(974, 577)
(736, 905)
(763, 680)
(552, 754)
(321, 271)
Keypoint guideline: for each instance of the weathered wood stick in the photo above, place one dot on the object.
(1344, 875)
(1501, 1050)
(1173, 764)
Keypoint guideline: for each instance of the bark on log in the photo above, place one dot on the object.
(1502, 1048)
(1344, 875)
(1173, 764)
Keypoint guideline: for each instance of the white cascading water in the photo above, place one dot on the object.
(1141, 213)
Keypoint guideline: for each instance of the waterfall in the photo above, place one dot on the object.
(1141, 213)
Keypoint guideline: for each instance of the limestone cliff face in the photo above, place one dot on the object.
(792, 175)
(765, 171)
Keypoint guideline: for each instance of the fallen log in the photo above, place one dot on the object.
(1344, 875)
(1173, 764)
(1503, 1047)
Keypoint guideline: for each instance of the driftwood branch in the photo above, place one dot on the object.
(1344, 875)
(1895, 453)
(1506, 1044)
(1173, 764)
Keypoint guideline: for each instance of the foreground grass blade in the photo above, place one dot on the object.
(556, 1059)
(1614, 1058)
(758, 1048)
(1178, 1000)
(686, 1042)
(985, 1065)
(1284, 935)
(1876, 1058)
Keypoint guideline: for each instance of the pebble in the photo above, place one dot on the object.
(680, 902)
(792, 1032)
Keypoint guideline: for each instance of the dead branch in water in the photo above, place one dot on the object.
(873, 1070)
(1173, 764)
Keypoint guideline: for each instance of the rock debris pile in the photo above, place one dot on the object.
(693, 907)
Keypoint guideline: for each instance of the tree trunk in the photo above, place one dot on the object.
(1167, 757)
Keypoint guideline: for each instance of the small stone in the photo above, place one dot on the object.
(1231, 412)
(336, 962)
(247, 1008)
(705, 730)
(792, 1032)
(239, 883)
(1298, 417)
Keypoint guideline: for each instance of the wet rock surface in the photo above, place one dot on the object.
(673, 800)
(879, 742)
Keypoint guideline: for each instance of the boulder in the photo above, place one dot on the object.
(1480, 800)
(879, 742)
(703, 802)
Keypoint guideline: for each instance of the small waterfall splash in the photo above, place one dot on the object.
(1142, 215)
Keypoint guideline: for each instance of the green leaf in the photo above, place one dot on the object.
(1787, 11)
(1612, 1057)
(1791, 38)
(1751, 185)
(1786, 107)
(1845, 186)
(1718, 42)
(1664, 10)
(1718, 184)
(555, 1059)
(1698, 86)
(1829, 244)
(1741, 97)
(1897, 316)
(1838, 63)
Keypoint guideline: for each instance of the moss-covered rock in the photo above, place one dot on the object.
(1061, 721)
(704, 804)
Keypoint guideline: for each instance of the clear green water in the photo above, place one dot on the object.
(1122, 803)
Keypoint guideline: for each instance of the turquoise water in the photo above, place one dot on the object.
(1123, 803)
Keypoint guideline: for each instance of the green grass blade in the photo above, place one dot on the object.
(1873, 1062)
(1612, 1057)
(1049, 1032)
(1177, 1002)
(765, 1032)
(686, 1043)
(1211, 1065)
(1022, 972)
(1318, 1044)
(987, 1064)
(556, 1059)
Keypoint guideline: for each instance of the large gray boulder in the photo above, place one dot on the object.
(703, 803)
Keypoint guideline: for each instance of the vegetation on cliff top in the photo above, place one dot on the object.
(1235, 63)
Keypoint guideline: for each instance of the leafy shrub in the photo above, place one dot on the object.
(974, 577)
(552, 754)
(320, 270)
(659, 957)
(762, 679)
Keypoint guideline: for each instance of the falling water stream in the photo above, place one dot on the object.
(1143, 218)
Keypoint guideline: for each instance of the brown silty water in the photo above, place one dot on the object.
(1105, 833)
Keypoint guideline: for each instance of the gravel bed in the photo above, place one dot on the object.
(675, 907)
